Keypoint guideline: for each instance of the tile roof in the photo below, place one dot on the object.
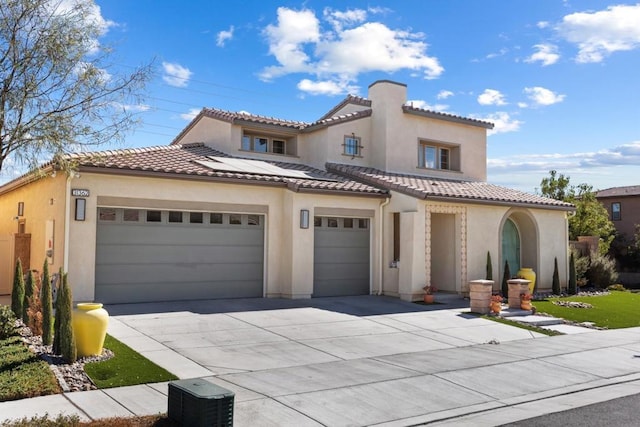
(350, 99)
(436, 188)
(182, 161)
(631, 190)
(407, 108)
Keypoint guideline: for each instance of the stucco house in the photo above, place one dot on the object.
(623, 205)
(375, 197)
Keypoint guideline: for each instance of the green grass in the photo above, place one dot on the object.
(22, 373)
(543, 331)
(613, 311)
(126, 368)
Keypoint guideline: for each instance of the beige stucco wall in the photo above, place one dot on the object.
(44, 200)
(288, 248)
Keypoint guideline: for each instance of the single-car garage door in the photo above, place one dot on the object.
(156, 255)
(341, 256)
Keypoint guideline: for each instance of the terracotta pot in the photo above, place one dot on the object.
(495, 306)
(525, 305)
(429, 298)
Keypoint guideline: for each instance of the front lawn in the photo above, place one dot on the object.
(126, 368)
(613, 311)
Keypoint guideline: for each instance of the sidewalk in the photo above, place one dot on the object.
(310, 366)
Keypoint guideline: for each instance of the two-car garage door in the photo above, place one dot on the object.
(157, 255)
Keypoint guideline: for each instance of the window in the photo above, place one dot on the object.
(347, 223)
(332, 222)
(235, 219)
(195, 217)
(352, 146)
(131, 215)
(175, 216)
(363, 223)
(396, 236)
(154, 216)
(215, 218)
(265, 144)
(433, 156)
(616, 211)
(253, 220)
(106, 214)
(317, 221)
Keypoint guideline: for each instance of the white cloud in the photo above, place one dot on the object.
(139, 108)
(327, 87)
(542, 96)
(491, 97)
(339, 48)
(223, 36)
(523, 105)
(502, 122)
(418, 103)
(543, 24)
(547, 54)
(501, 52)
(90, 13)
(599, 34)
(190, 115)
(444, 94)
(175, 74)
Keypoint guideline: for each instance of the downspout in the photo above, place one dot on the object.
(67, 222)
(381, 249)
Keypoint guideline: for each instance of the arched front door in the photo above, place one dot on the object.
(511, 247)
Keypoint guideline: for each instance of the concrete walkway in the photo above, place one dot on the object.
(358, 361)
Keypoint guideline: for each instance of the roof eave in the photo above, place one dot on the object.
(446, 117)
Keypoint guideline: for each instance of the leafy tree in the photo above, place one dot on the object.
(17, 292)
(47, 306)
(591, 217)
(56, 94)
(29, 290)
(505, 279)
(573, 283)
(555, 283)
(489, 267)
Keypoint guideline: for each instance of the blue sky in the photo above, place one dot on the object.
(558, 78)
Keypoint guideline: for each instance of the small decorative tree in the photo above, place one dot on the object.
(489, 267)
(58, 314)
(29, 290)
(573, 287)
(34, 310)
(47, 306)
(67, 340)
(505, 278)
(555, 284)
(17, 293)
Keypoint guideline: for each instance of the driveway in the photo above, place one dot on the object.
(329, 361)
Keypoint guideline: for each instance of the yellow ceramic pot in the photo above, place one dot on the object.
(90, 323)
(530, 275)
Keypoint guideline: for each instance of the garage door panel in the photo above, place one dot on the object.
(125, 254)
(343, 256)
(164, 262)
(336, 239)
(339, 288)
(344, 271)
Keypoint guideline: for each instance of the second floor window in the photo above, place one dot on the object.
(352, 146)
(264, 144)
(616, 211)
(434, 157)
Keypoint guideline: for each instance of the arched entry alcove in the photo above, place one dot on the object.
(519, 241)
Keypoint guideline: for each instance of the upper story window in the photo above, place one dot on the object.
(267, 144)
(616, 211)
(352, 146)
(435, 156)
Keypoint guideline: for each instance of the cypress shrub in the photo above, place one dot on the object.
(17, 293)
(489, 267)
(29, 290)
(56, 322)
(47, 306)
(505, 279)
(34, 310)
(573, 286)
(555, 284)
(67, 340)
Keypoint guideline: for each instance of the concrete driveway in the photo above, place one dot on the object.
(330, 361)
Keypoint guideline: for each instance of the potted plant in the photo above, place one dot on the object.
(525, 301)
(429, 291)
(496, 304)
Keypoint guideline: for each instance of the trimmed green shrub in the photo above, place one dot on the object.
(555, 284)
(7, 322)
(29, 287)
(489, 267)
(602, 271)
(17, 293)
(67, 340)
(56, 322)
(47, 306)
(573, 284)
(505, 279)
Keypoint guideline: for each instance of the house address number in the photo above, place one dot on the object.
(79, 192)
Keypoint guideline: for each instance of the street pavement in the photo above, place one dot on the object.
(358, 361)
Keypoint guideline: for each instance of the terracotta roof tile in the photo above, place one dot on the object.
(183, 160)
(435, 188)
(445, 116)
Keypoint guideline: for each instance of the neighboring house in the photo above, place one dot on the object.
(376, 197)
(623, 205)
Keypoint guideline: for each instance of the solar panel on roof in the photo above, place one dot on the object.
(257, 167)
